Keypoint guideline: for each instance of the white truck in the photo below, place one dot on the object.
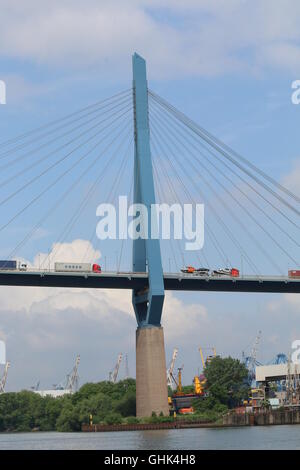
(77, 267)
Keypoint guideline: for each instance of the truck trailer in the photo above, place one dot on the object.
(77, 267)
(294, 273)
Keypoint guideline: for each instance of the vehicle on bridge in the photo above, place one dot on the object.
(196, 271)
(12, 265)
(294, 273)
(77, 267)
(232, 272)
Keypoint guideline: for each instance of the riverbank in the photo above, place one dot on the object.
(268, 418)
(148, 426)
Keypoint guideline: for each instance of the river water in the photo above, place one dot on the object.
(271, 437)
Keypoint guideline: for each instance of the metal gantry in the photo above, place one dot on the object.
(114, 374)
(73, 377)
(170, 380)
(4, 377)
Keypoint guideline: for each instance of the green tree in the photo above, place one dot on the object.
(127, 406)
(105, 401)
(113, 418)
(68, 420)
(225, 381)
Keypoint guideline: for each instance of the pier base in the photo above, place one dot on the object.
(151, 377)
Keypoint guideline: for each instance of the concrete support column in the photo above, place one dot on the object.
(151, 377)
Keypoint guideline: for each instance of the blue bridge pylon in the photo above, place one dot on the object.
(147, 302)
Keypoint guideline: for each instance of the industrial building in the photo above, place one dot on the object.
(53, 393)
(275, 372)
(280, 381)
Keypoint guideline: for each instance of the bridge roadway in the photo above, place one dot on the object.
(124, 280)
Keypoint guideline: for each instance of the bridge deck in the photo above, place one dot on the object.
(179, 282)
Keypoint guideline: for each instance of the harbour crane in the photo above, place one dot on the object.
(126, 367)
(36, 387)
(73, 377)
(255, 346)
(113, 375)
(178, 382)
(289, 383)
(4, 378)
(251, 362)
(170, 380)
(2, 352)
(209, 357)
(280, 358)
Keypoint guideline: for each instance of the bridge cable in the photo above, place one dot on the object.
(123, 240)
(55, 206)
(222, 223)
(213, 239)
(220, 160)
(62, 159)
(115, 182)
(175, 137)
(219, 219)
(56, 121)
(52, 184)
(60, 147)
(212, 142)
(74, 218)
(174, 192)
(159, 189)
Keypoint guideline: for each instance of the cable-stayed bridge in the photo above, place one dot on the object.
(139, 145)
(137, 281)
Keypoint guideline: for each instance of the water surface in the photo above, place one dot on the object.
(262, 437)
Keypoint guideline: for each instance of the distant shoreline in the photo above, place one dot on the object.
(149, 426)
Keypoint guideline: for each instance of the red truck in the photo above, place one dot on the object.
(294, 273)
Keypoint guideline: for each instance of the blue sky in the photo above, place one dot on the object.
(229, 65)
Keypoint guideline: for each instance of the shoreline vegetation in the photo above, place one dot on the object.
(106, 403)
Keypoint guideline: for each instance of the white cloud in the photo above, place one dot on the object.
(18, 88)
(293, 300)
(75, 251)
(286, 302)
(178, 38)
(181, 320)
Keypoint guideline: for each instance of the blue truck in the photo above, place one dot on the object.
(12, 265)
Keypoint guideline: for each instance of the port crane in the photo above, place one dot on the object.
(73, 377)
(178, 382)
(251, 362)
(113, 375)
(72, 380)
(209, 357)
(4, 378)
(36, 386)
(126, 367)
(2, 352)
(170, 380)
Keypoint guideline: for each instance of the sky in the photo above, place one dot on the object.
(227, 64)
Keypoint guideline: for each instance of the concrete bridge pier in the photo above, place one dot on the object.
(151, 377)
